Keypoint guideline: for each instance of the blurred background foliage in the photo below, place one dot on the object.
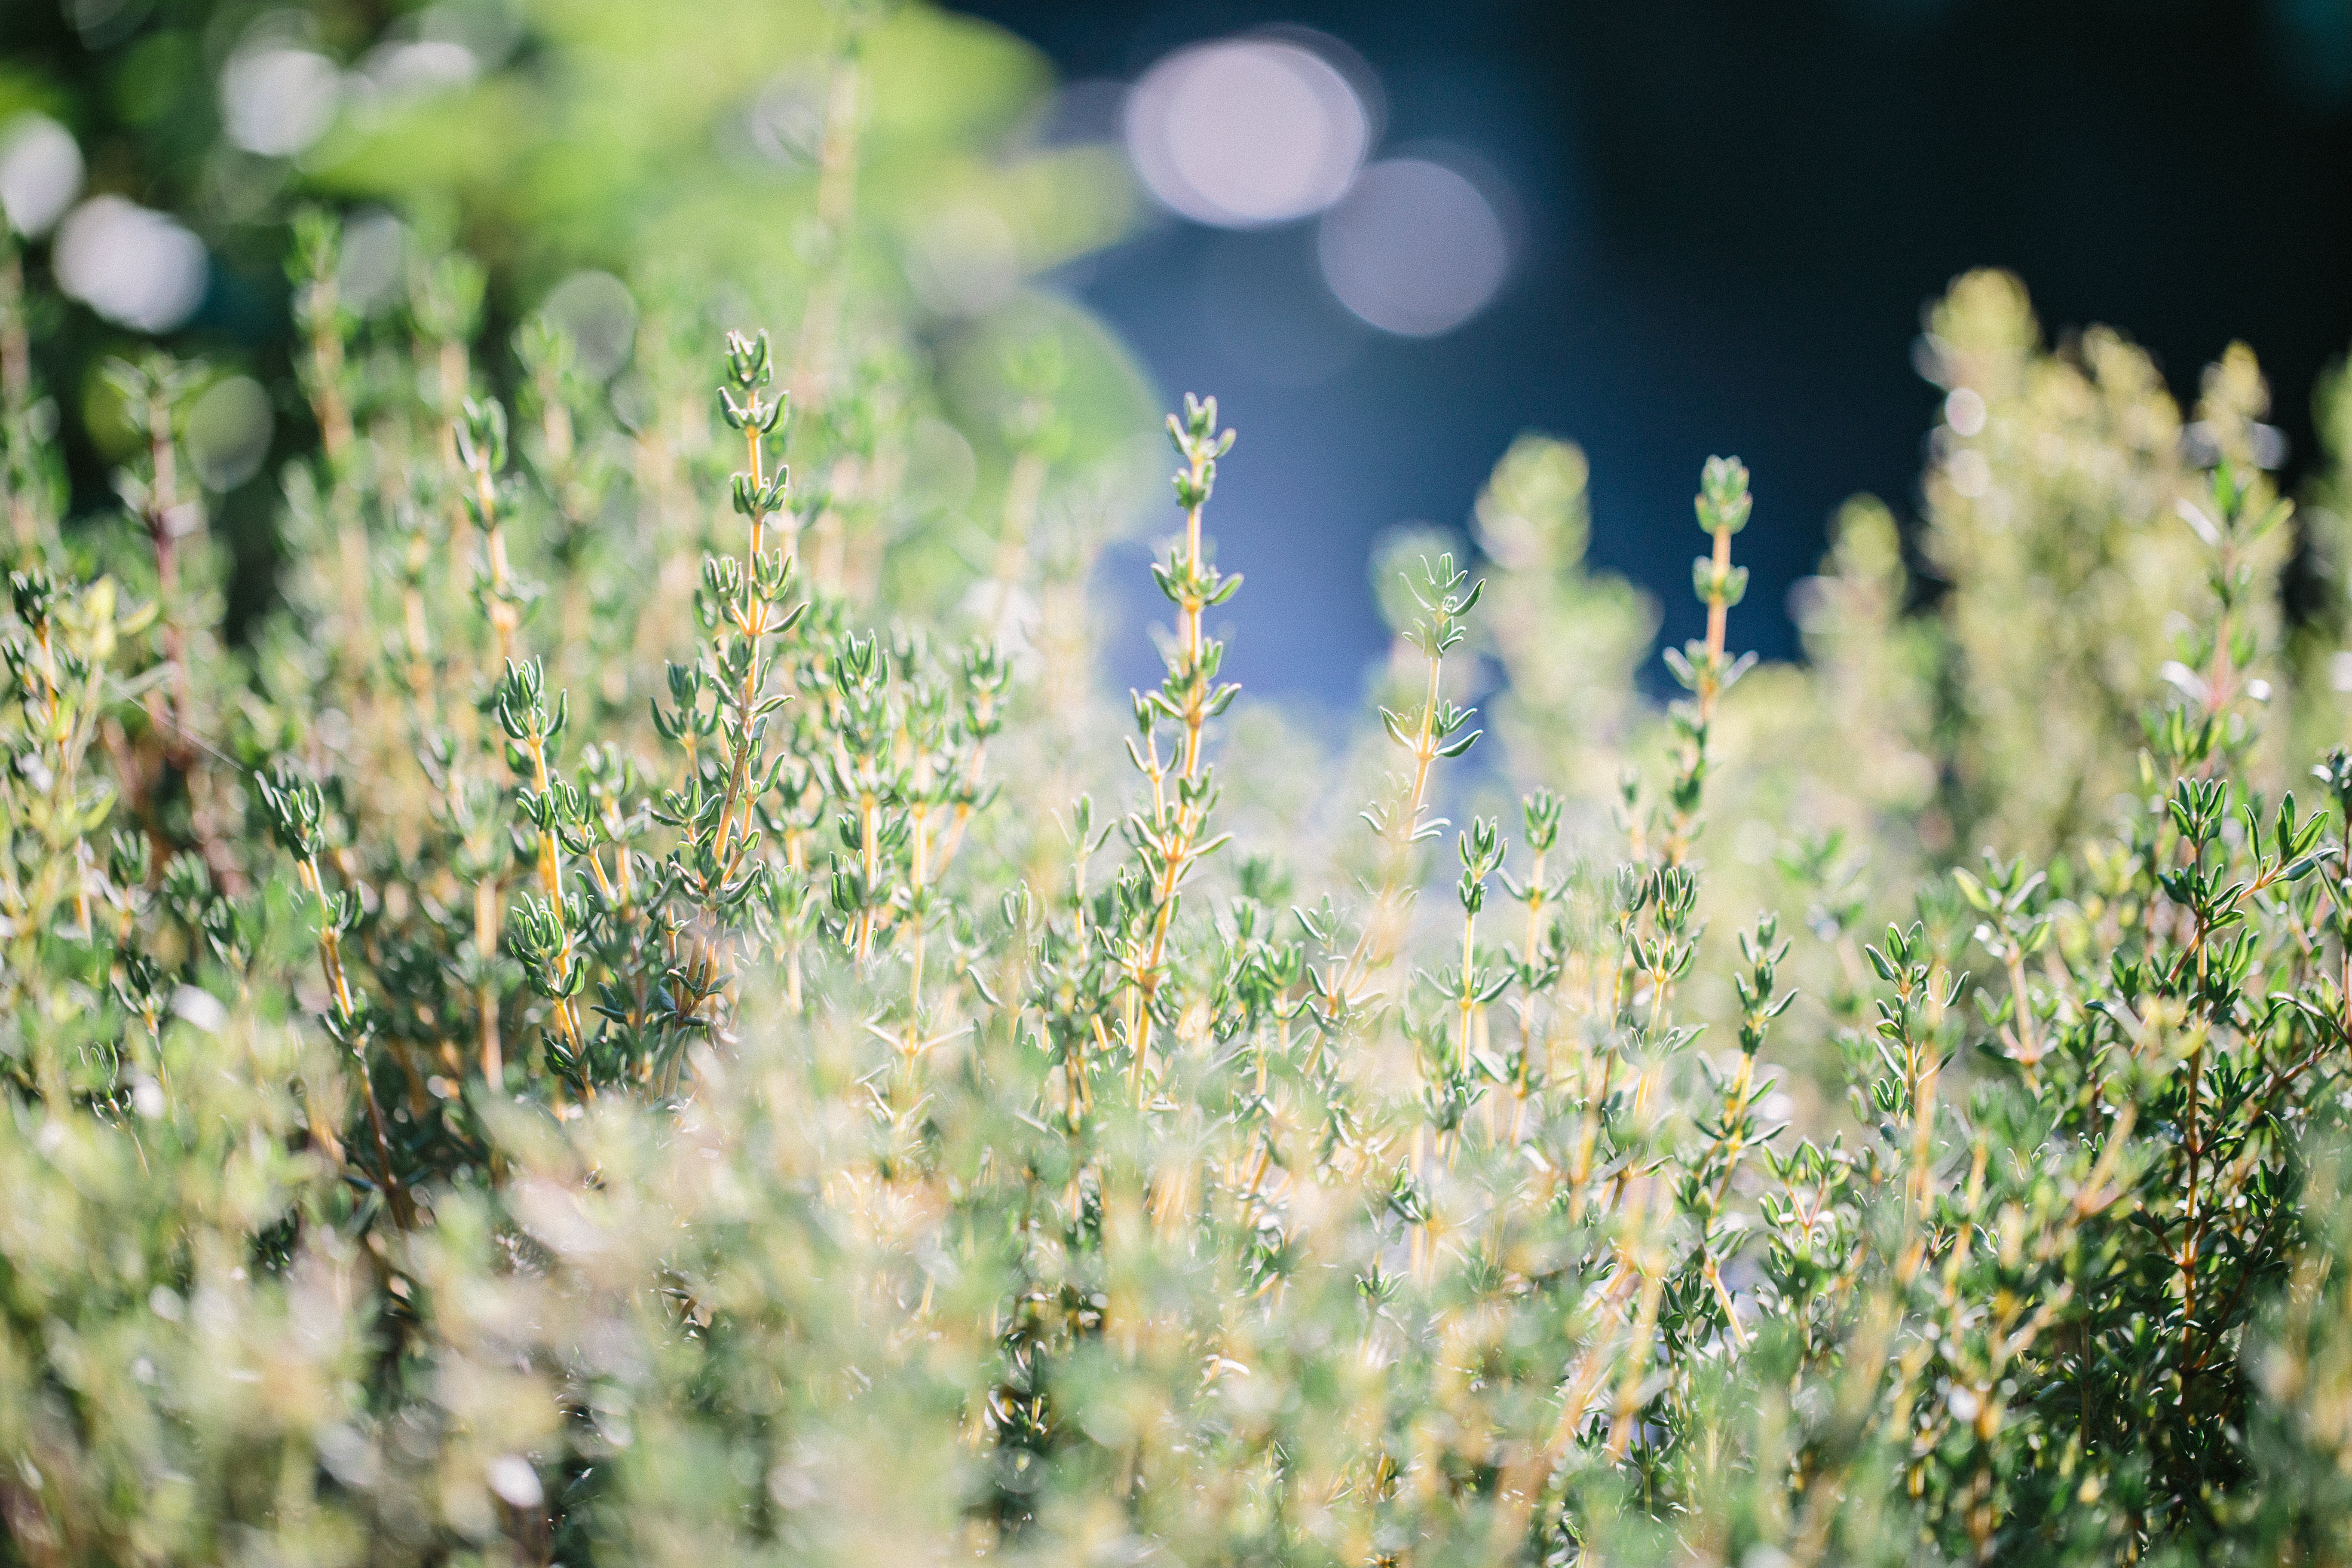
(566, 140)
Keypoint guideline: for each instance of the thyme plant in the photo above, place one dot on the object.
(606, 1031)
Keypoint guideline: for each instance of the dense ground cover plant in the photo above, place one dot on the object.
(655, 1012)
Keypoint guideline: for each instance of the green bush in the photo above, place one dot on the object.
(655, 1012)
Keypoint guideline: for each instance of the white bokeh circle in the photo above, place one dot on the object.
(131, 264)
(40, 173)
(277, 101)
(1415, 248)
(1246, 131)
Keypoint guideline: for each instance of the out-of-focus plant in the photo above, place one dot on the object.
(864, 168)
(656, 1014)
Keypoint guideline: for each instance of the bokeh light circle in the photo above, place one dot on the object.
(278, 101)
(964, 260)
(371, 263)
(1414, 249)
(228, 432)
(1246, 133)
(598, 311)
(131, 264)
(40, 173)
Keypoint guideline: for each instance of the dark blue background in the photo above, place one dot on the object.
(1732, 213)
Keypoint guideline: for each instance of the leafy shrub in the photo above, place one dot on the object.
(655, 1013)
